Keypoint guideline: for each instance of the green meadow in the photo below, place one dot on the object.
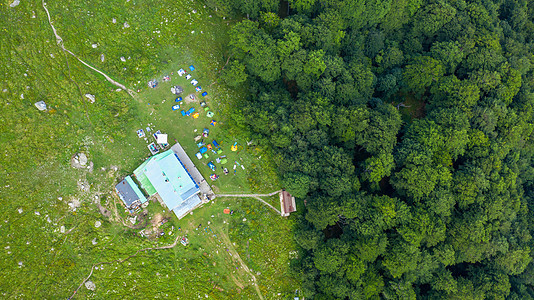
(49, 241)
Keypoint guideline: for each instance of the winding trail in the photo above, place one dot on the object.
(264, 202)
(59, 42)
(255, 196)
(226, 239)
(120, 261)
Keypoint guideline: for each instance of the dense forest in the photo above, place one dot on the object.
(406, 126)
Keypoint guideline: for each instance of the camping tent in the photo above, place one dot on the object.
(161, 138)
(204, 94)
(176, 90)
(153, 83)
(140, 133)
(191, 68)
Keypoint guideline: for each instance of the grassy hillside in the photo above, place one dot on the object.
(49, 241)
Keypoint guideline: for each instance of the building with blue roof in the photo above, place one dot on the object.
(167, 176)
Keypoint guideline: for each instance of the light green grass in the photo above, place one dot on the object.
(35, 173)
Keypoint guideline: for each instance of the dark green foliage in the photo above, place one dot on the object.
(407, 128)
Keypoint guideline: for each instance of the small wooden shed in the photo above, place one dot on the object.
(287, 203)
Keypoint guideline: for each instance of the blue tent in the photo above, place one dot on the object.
(183, 113)
(203, 150)
(211, 166)
(178, 99)
(204, 94)
(215, 144)
(191, 68)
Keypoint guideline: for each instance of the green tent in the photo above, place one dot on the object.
(223, 161)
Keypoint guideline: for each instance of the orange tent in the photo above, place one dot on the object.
(227, 211)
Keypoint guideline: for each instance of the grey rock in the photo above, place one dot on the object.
(82, 158)
(90, 285)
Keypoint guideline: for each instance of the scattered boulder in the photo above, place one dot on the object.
(114, 21)
(123, 59)
(94, 45)
(62, 229)
(83, 186)
(80, 161)
(90, 97)
(98, 224)
(90, 285)
(126, 25)
(133, 220)
(94, 242)
(102, 58)
(82, 158)
(41, 105)
(74, 203)
(20, 210)
(14, 3)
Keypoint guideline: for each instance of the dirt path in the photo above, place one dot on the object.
(227, 241)
(249, 195)
(264, 202)
(59, 42)
(120, 261)
(255, 196)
